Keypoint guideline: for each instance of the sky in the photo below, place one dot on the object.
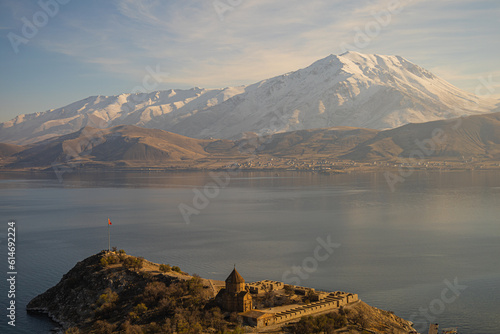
(55, 52)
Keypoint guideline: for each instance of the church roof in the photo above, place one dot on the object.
(244, 294)
(235, 278)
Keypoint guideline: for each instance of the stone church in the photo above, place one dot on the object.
(235, 297)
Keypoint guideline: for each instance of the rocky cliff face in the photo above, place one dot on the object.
(378, 321)
(77, 300)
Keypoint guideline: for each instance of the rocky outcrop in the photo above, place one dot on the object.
(112, 292)
(378, 321)
(74, 301)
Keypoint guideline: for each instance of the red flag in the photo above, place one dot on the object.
(109, 222)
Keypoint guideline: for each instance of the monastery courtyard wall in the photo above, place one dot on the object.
(332, 302)
(322, 302)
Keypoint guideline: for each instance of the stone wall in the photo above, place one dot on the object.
(333, 301)
(266, 285)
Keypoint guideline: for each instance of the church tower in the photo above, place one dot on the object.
(235, 282)
(235, 297)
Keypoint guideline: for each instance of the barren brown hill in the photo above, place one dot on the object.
(7, 150)
(474, 136)
(462, 138)
(321, 142)
(117, 144)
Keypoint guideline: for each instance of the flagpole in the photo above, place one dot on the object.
(109, 239)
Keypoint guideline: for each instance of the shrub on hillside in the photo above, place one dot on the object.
(132, 262)
(109, 260)
(154, 292)
(165, 267)
(327, 324)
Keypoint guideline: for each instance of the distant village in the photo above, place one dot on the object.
(324, 165)
(328, 164)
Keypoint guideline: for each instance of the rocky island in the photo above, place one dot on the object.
(112, 292)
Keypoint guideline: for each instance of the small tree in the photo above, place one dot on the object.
(165, 267)
(133, 262)
(140, 309)
(104, 263)
(109, 296)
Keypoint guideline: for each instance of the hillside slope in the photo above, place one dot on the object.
(7, 150)
(121, 143)
(460, 139)
(316, 142)
(474, 136)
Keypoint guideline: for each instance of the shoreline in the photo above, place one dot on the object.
(325, 171)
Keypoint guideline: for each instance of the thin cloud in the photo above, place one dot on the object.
(258, 38)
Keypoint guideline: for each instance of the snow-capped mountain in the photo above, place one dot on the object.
(160, 109)
(353, 89)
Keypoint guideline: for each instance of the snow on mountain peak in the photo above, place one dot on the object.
(351, 89)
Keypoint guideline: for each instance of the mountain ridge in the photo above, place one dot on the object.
(474, 136)
(459, 140)
(352, 89)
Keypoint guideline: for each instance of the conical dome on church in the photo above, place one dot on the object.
(235, 278)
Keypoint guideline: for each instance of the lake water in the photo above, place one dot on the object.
(399, 250)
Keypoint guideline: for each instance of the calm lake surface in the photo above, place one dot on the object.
(399, 250)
